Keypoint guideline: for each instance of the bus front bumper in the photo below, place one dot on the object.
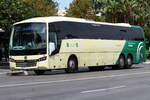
(28, 65)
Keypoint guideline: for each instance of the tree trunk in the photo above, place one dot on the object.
(113, 17)
(126, 18)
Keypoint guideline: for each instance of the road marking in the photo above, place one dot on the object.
(105, 89)
(71, 80)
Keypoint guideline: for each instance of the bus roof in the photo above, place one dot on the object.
(71, 19)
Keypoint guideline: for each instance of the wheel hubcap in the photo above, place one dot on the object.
(121, 62)
(129, 61)
(72, 64)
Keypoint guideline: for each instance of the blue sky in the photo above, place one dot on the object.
(63, 4)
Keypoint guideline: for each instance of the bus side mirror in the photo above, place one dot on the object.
(51, 48)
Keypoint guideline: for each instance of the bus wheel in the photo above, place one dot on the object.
(129, 62)
(39, 72)
(72, 65)
(121, 62)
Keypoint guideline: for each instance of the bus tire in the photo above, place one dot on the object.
(129, 62)
(39, 72)
(72, 65)
(121, 62)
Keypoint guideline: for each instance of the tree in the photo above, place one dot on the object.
(116, 9)
(143, 16)
(135, 12)
(128, 8)
(45, 7)
(13, 11)
(110, 9)
(82, 9)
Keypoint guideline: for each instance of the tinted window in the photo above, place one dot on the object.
(137, 34)
(96, 31)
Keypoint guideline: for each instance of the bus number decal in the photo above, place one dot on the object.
(72, 45)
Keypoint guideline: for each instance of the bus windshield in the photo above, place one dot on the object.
(28, 36)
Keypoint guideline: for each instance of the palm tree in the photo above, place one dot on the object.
(82, 9)
(143, 13)
(127, 8)
(110, 9)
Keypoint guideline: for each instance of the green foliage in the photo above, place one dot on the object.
(13, 11)
(45, 7)
(82, 9)
(118, 10)
(136, 12)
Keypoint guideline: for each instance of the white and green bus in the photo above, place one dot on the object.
(47, 43)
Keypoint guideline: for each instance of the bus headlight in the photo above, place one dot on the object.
(42, 59)
(11, 60)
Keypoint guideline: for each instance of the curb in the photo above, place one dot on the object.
(13, 73)
(3, 70)
(148, 62)
(3, 73)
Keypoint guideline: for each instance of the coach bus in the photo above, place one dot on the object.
(47, 43)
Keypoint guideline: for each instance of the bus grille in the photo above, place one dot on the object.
(26, 63)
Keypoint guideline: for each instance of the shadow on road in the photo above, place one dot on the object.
(85, 70)
(81, 70)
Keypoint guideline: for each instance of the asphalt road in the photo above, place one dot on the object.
(128, 84)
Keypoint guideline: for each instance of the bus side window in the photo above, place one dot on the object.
(70, 36)
(123, 34)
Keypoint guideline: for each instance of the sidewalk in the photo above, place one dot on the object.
(4, 68)
(4, 65)
(147, 62)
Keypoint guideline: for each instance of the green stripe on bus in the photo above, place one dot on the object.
(136, 49)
